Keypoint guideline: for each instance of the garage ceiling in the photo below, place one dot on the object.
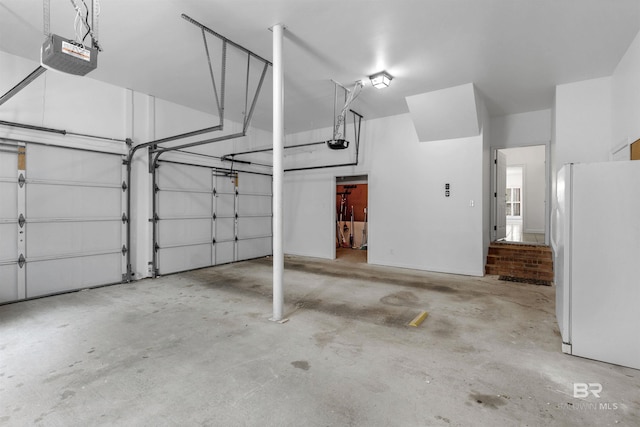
(515, 51)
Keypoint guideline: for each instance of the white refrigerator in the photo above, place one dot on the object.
(596, 242)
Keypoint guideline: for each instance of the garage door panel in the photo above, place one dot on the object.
(9, 283)
(186, 204)
(54, 276)
(175, 204)
(254, 248)
(184, 258)
(225, 205)
(64, 164)
(252, 183)
(8, 207)
(254, 227)
(173, 176)
(58, 201)
(225, 252)
(184, 231)
(9, 164)
(254, 205)
(8, 241)
(225, 184)
(225, 229)
(63, 238)
(72, 202)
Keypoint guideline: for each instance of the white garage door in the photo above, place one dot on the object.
(184, 200)
(206, 218)
(254, 207)
(10, 289)
(72, 203)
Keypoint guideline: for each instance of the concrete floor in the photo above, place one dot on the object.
(197, 349)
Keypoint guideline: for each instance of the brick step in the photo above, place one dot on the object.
(520, 262)
(520, 252)
(495, 259)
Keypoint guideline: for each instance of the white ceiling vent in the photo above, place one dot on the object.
(445, 114)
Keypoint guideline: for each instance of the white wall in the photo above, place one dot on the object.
(487, 126)
(411, 222)
(583, 122)
(521, 130)
(309, 196)
(593, 117)
(62, 101)
(626, 97)
(309, 214)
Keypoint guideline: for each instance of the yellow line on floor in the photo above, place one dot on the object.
(419, 319)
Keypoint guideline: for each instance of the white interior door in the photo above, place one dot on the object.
(500, 226)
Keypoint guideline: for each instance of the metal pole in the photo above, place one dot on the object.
(278, 173)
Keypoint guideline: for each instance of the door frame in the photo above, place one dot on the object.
(361, 178)
(548, 189)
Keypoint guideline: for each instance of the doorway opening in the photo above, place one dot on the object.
(521, 195)
(352, 217)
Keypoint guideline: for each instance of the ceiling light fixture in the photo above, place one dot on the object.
(380, 80)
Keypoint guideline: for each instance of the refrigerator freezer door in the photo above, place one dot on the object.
(605, 272)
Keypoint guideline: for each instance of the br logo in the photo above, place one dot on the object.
(582, 390)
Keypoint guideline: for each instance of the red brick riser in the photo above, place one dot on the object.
(521, 263)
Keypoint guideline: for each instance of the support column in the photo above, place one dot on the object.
(278, 173)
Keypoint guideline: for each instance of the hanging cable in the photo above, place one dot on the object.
(81, 22)
(340, 119)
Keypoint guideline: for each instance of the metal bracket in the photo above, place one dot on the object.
(21, 221)
(125, 162)
(156, 247)
(213, 242)
(124, 186)
(21, 261)
(124, 250)
(155, 217)
(214, 216)
(156, 188)
(214, 192)
(21, 180)
(128, 276)
(124, 218)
